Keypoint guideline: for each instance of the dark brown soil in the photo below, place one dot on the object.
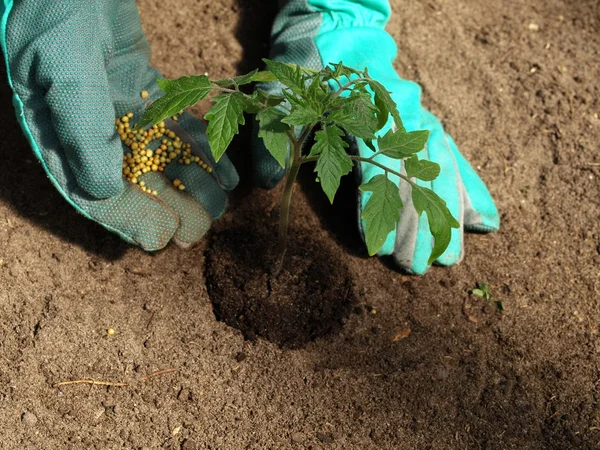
(425, 365)
(309, 297)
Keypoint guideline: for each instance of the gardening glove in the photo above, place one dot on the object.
(314, 33)
(76, 65)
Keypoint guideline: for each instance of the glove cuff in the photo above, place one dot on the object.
(333, 14)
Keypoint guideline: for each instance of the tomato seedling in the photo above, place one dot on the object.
(335, 102)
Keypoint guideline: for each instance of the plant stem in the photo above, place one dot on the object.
(286, 203)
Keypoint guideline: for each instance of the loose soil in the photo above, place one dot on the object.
(308, 298)
(422, 364)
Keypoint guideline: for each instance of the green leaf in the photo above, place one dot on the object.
(478, 292)
(274, 133)
(401, 144)
(333, 162)
(237, 81)
(302, 116)
(421, 169)
(260, 100)
(335, 71)
(264, 76)
(485, 290)
(267, 98)
(382, 211)
(357, 115)
(317, 93)
(290, 75)
(500, 305)
(253, 77)
(179, 94)
(223, 120)
(294, 100)
(439, 217)
(251, 104)
(386, 105)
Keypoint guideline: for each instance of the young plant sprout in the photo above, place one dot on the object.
(357, 106)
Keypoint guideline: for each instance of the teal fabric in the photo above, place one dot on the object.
(74, 66)
(353, 32)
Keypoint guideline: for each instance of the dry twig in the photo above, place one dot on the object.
(110, 383)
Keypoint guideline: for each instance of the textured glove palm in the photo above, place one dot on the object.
(74, 66)
(313, 33)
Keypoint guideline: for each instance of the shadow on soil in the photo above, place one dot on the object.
(422, 360)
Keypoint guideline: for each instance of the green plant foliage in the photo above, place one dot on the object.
(382, 211)
(402, 145)
(223, 120)
(333, 162)
(179, 94)
(336, 103)
(483, 290)
(274, 133)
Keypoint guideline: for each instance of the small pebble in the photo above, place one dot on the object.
(99, 413)
(298, 437)
(534, 27)
(29, 418)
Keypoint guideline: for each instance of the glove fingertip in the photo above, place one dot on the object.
(227, 175)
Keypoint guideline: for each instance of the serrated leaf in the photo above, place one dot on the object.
(302, 116)
(333, 162)
(253, 77)
(439, 217)
(267, 98)
(357, 115)
(264, 76)
(274, 133)
(290, 75)
(401, 144)
(382, 211)
(237, 81)
(251, 104)
(224, 119)
(294, 100)
(335, 71)
(179, 94)
(421, 169)
(317, 94)
(386, 105)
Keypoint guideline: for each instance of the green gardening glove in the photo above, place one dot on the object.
(76, 65)
(314, 33)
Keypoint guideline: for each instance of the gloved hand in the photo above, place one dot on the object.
(314, 33)
(76, 65)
